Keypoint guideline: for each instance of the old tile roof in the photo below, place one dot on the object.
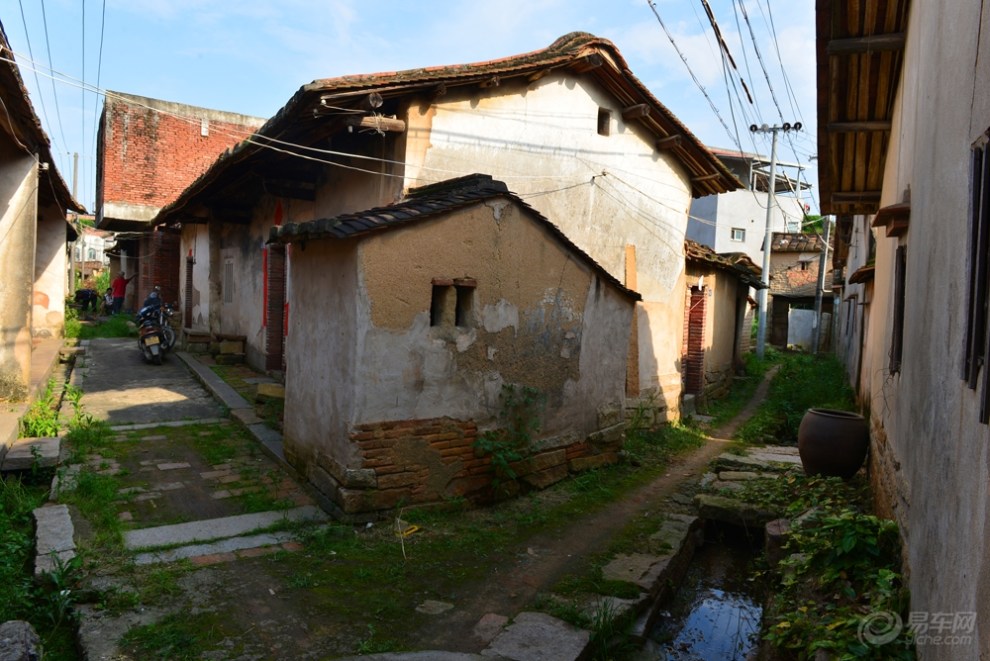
(582, 53)
(737, 263)
(423, 203)
(22, 124)
(793, 242)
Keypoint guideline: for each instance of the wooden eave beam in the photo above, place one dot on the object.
(637, 111)
(668, 143)
(377, 123)
(588, 63)
(851, 127)
(873, 43)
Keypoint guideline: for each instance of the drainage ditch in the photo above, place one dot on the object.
(716, 612)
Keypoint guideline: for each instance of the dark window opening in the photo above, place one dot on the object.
(604, 121)
(437, 304)
(897, 336)
(976, 349)
(465, 300)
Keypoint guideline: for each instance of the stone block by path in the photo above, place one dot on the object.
(270, 391)
(733, 511)
(539, 637)
(19, 642)
(53, 538)
(213, 529)
(224, 546)
(28, 452)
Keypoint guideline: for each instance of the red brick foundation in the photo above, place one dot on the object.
(411, 462)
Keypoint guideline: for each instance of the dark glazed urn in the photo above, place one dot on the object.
(832, 443)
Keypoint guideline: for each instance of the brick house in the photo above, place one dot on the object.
(718, 318)
(568, 129)
(422, 340)
(148, 151)
(794, 261)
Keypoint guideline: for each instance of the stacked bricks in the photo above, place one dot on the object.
(275, 313)
(160, 264)
(151, 150)
(694, 360)
(424, 461)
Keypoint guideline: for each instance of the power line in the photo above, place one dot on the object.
(58, 111)
(693, 77)
(37, 81)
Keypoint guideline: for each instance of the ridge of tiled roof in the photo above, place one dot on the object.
(796, 242)
(421, 204)
(710, 174)
(736, 263)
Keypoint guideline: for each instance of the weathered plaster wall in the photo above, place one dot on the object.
(51, 264)
(196, 243)
(722, 291)
(604, 191)
(321, 351)
(530, 311)
(931, 454)
(18, 226)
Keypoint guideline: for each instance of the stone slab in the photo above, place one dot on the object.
(228, 545)
(489, 626)
(733, 511)
(640, 569)
(19, 642)
(53, 538)
(212, 529)
(539, 637)
(270, 391)
(28, 452)
(432, 607)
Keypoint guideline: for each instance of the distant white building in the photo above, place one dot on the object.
(91, 251)
(736, 221)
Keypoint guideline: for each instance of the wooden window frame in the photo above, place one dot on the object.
(900, 294)
(978, 309)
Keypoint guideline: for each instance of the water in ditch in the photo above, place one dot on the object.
(716, 613)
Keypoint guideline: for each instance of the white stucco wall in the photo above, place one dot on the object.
(18, 226)
(51, 263)
(714, 217)
(931, 453)
(604, 192)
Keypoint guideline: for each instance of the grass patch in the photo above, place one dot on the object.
(113, 326)
(726, 408)
(179, 637)
(803, 381)
(46, 605)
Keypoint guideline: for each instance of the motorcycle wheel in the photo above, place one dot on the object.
(169, 337)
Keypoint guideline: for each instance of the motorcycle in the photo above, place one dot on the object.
(155, 333)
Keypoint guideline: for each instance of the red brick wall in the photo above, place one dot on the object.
(160, 265)
(694, 361)
(149, 157)
(430, 460)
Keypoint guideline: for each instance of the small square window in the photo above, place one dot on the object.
(452, 302)
(604, 121)
(738, 234)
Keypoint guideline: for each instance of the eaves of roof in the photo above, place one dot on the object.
(581, 52)
(860, 51)
(23, 126)
(422, 204)
(736, 263)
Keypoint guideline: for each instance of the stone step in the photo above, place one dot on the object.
(54, 542)
(229, 545)
(214, 529)
(28, 453)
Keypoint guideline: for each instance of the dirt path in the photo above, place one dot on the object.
(550, 556)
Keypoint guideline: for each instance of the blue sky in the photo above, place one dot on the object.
(250, 56)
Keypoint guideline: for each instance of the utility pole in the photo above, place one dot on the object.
(72, 249)
(820, 289)
(761, 332)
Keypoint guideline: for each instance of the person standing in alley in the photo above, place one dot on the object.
(119, 288)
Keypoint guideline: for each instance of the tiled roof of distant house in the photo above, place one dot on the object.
(736, 263)
(423, 203)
